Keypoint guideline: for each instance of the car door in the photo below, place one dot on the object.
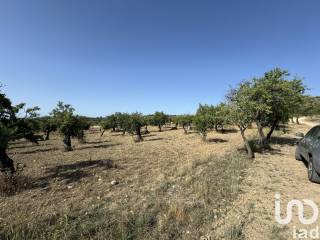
(306, 143)
(315, 150)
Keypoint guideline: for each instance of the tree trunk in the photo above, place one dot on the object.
(273, 127)
(113, 129)
(216, 128)
(204, 137)
(263, 140)
(222, 129)
(247, 144)
(185, 130)
(102, 132)
(159, 126)
(146, 131)
(297, 121)
(139, 136)
(67, 143)
(6, 163)
(81, 137)
(47, 135)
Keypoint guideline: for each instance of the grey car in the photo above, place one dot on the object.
(308, 150)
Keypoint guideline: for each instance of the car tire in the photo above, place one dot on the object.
(312, 174)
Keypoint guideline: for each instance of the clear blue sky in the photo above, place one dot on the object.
(103, 56)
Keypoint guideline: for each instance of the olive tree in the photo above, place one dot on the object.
(202, 123)
(68, 124)
(221, 116)
(122, 121)
(13, 127)
(185, 122)
(147, 122)
(159, 119)
(309, 106)
(48, 125)
(135, 122)
(110, 122)
(240, 114)
(274, 98)
(84, 125)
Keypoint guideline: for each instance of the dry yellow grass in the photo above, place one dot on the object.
(170, 180)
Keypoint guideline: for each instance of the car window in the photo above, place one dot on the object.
(312, 132)
(316, 134)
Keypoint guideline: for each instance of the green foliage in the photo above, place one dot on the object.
(216, 116)
(184, 120)
(309, 106)
(267, 101)
(84, 124)
(110, 122)
(241, 106)
(61, 111)
(276, 98)
(159, 119)
(148, 119)
(241, 113)
(68, 124)
(13, 127)
(202, 123)
(137, 120)
(5, 135)
(222, 116)
(48, 124)
(123, 121)
(135, 123)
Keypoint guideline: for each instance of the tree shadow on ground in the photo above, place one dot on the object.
(97, 146)
(153, 139)
(163, 129)
(216, 140)
(39, 150)
(282, 141)
(117, 134)
(226, 131)
(73, 172)
(19, 147)
(97, 142)
(148, 135)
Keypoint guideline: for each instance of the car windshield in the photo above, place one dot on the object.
(314, 132)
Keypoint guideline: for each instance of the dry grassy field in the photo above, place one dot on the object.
(170, 186)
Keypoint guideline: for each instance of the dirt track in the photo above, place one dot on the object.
(274, 172)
